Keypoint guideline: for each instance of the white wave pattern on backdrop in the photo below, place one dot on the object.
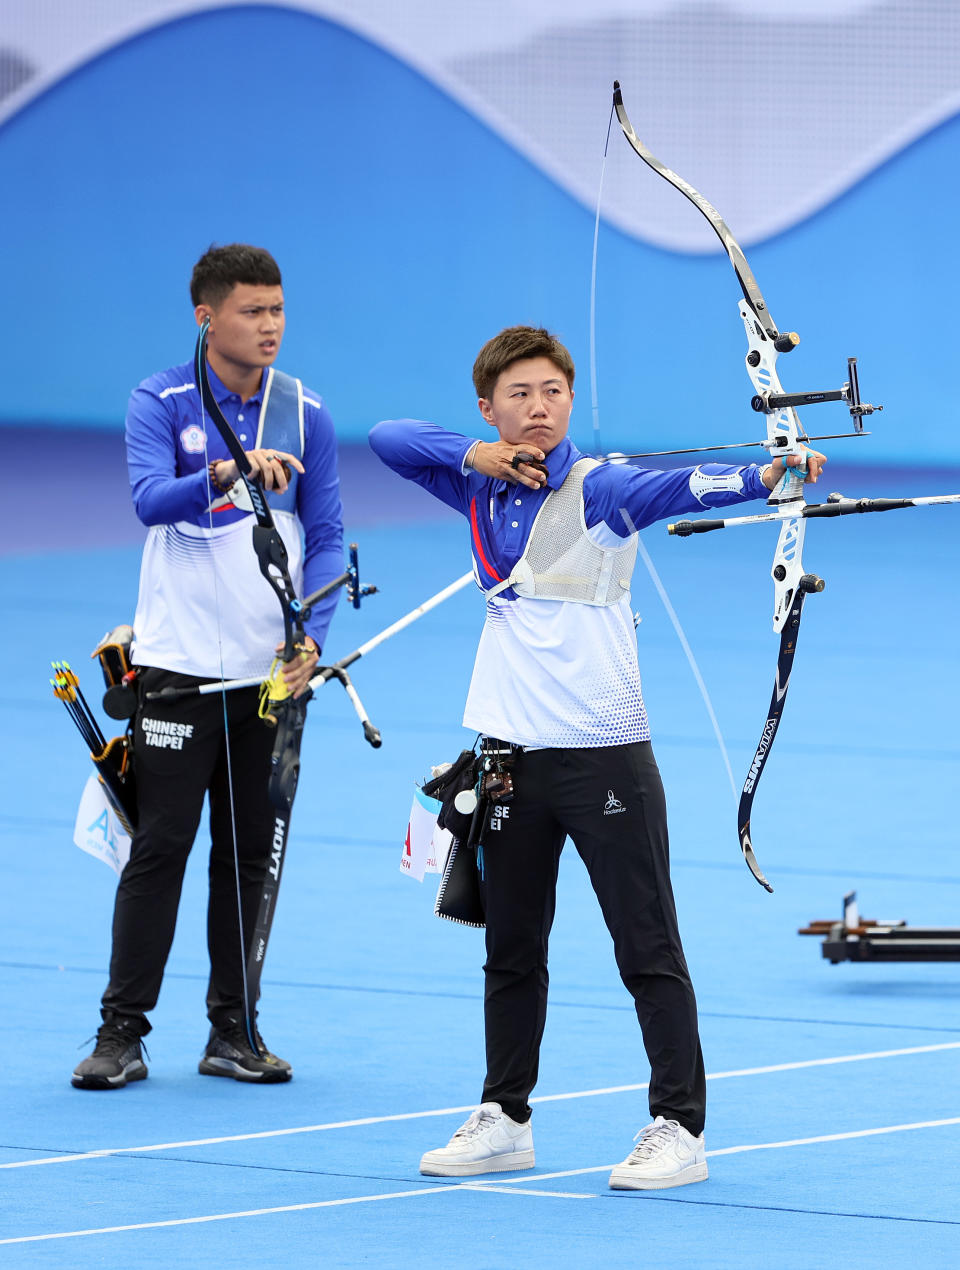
(771, 111)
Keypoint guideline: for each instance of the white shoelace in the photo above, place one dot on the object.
(654, 1138)
(477, 1122)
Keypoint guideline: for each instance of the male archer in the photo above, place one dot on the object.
(205, 611)
(556, 685)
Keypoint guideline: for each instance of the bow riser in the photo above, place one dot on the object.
(783, 441)
(783, 424)
(787, 569)
(273, 560)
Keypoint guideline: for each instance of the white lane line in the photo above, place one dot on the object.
(451, 1111)
(240, 1137)
(843, 1058)
(527, 1190)
(835, 1137)
(505, 1186)
(211, 1217)
(761, 1071)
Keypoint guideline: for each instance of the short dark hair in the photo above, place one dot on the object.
(219, 270)
(513, 344)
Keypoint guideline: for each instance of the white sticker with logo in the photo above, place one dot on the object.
(97, 829)
(426, 844)
(193, 439)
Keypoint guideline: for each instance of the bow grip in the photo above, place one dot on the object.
(789, 489)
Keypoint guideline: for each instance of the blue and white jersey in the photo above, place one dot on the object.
(191, 572)
(554, 673)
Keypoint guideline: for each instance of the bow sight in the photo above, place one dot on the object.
(767, 402)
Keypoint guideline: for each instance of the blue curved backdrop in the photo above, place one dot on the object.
(408, 233)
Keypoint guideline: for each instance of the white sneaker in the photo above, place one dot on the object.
(665, 1155)
(489, 1142)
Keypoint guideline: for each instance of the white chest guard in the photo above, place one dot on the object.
(561, 561)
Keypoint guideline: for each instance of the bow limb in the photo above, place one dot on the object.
(748, 283)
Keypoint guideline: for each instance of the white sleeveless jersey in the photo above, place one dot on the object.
(562, 561)
(557, 666)
(202, 590)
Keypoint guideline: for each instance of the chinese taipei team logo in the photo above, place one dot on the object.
(193, 439)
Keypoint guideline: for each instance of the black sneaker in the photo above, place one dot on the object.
(229, 1053)
(116, 1059)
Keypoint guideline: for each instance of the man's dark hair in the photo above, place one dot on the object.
(513, 344)
(219, 270)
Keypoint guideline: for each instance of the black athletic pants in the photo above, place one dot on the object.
(610, 802)
(180, 754)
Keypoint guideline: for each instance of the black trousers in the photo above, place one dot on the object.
(610, 802)
(181, 755)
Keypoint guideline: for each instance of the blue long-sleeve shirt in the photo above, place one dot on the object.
(623, 498)
(167, 457)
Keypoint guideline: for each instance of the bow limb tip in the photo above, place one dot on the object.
(752, 863)
(757, 872)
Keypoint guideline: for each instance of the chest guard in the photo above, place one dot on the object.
(281, 428)
(561, 561)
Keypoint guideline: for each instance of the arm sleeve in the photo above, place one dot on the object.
(160, 495)
(321, 515)
(427, 454)
(630, 498)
